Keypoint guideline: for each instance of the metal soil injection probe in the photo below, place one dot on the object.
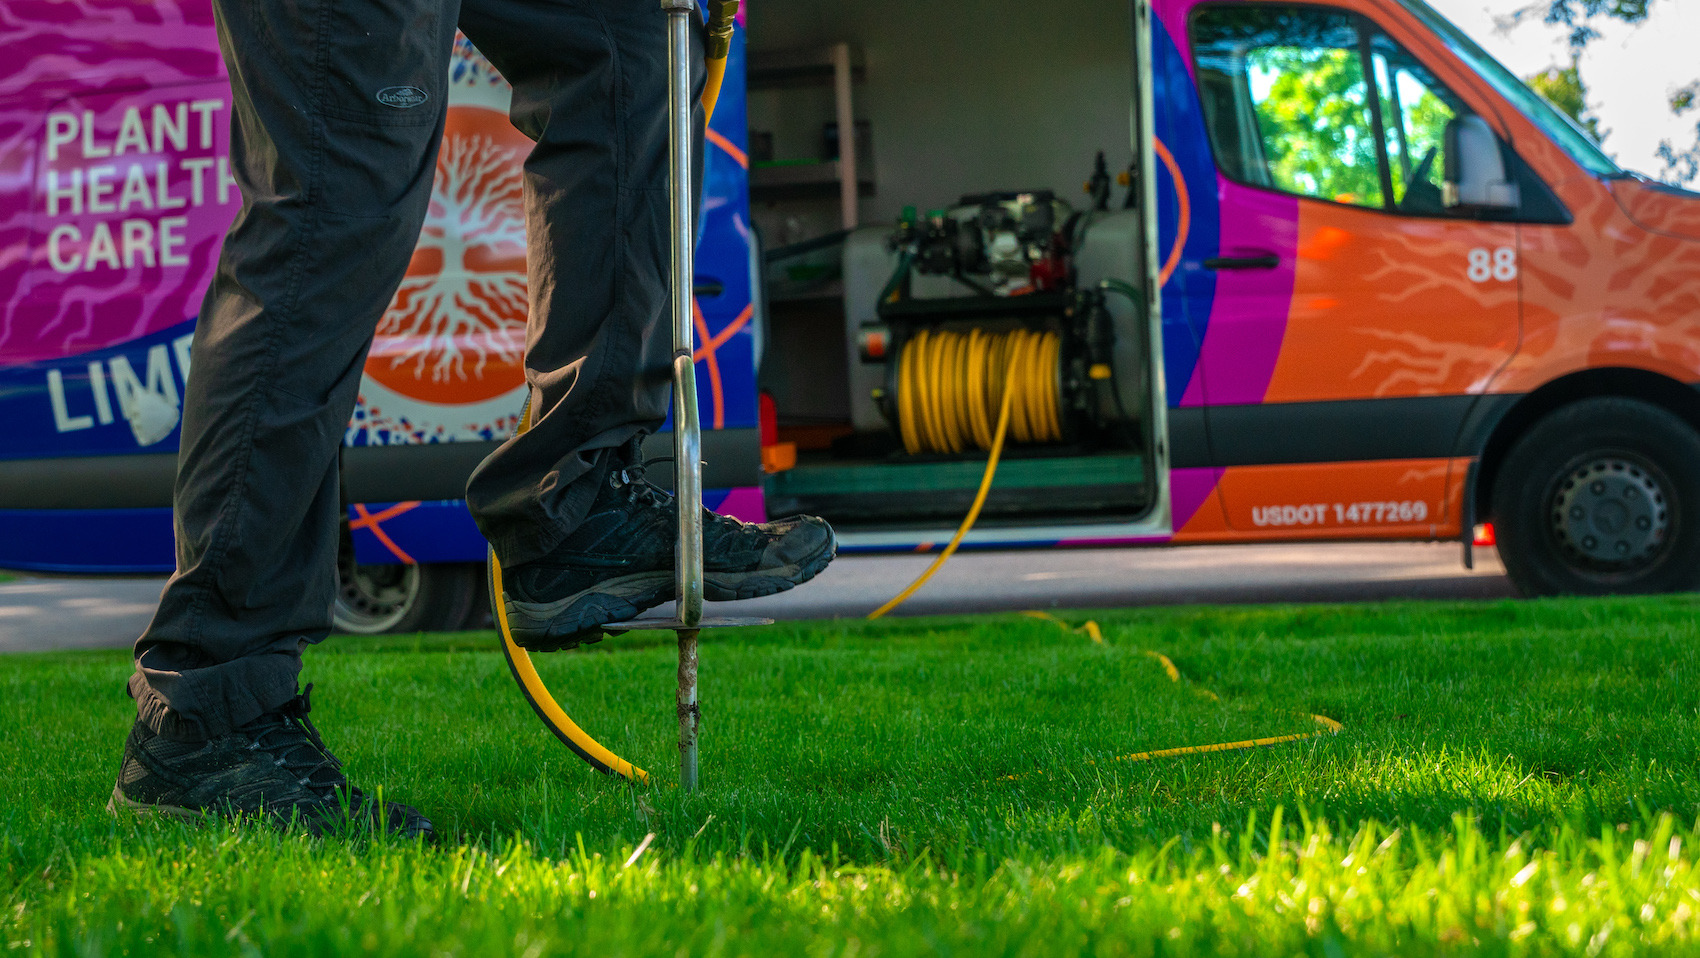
(687, 426)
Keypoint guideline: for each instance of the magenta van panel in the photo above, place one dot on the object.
(114, 189)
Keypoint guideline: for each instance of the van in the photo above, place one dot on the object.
(1334, 274)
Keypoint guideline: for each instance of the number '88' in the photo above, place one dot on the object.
(1499, 264)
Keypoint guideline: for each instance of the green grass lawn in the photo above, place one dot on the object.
(1513, 778)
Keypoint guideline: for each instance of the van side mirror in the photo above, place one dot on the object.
(1475, 167)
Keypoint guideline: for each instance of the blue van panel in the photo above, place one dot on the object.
(109, 541)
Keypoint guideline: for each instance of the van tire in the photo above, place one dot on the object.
(378, 599)
(1601, 497)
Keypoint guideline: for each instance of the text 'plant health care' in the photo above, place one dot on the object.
(119, 186)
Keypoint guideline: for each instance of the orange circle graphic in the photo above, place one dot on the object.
(1183, 226)
(455, 332)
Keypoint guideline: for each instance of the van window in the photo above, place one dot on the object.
(1290, 107)
(1415, 109)
(1287, 100)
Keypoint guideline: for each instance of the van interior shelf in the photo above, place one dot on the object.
(846, 169)
(784, 180)
(781, 68)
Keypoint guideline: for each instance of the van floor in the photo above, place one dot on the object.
(896, 489)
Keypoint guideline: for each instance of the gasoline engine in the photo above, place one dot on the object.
(979, 288)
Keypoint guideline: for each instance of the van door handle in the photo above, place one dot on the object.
(1259, 261)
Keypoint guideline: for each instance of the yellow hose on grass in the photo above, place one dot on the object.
(945, 382)
(1091, 630)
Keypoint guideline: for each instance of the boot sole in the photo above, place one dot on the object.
(119, 804)
(578, 619)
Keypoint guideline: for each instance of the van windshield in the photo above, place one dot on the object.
(1559, 127)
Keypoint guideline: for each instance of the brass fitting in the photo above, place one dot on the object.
(720, 17)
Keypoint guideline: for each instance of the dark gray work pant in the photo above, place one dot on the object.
(338, 110)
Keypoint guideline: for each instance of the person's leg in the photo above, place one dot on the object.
(590, 87)
(338, 108)
(337, 113)
(584, 539)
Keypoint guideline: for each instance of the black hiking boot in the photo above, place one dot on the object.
(619, 563)
(275, 769)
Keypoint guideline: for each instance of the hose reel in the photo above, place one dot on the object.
(950, 387)
(981, 291)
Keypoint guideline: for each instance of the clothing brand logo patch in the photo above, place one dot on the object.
(402, 97)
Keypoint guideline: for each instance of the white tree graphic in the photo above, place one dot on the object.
(454, 320)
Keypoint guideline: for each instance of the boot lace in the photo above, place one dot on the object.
(640, 492)
(721, 533)
(296, 746)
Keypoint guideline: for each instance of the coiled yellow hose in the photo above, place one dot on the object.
(950, 388)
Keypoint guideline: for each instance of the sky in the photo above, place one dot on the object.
(1630, 71)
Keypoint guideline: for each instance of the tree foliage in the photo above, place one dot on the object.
(1316, 123)
(1563, 87)
(1579, 16)
(1682, 164)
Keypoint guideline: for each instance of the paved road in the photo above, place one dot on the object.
(109, 613)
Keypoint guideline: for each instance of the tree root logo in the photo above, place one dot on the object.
(455, 332)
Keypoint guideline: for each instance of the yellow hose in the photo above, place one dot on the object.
(711, 89)
(950, 388)
(947, 387)
(531, 685)
(536, 693)
(973, 512)
(1091, 630)
(721, 18)
(943, 396)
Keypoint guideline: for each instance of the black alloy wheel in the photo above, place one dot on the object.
(1601, 497)
(377, 599)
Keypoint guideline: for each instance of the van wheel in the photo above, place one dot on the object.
(1601, 497)
(373, 599)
